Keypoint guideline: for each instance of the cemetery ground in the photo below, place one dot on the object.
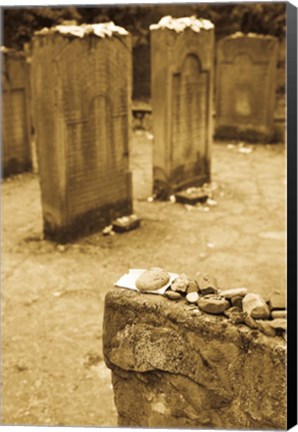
(53, 372)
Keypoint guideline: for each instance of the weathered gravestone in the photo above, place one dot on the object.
(177, 368)
(181, 89)
(15, 112)
(245, 88)
(81, 77)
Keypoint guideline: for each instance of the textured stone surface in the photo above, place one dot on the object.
(171, 368)
(82, 121)
(255, 305)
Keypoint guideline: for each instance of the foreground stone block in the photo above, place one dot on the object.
(246, 73)
(81, 80)
(171, 368)
(182, 55)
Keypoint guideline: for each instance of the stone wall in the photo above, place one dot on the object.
(81, 79)
(16, 153)
(246, 87)
(181, 86)
(174, 367)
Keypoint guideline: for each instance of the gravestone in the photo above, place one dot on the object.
(15, 112)
(182, 86)
(246, 73)
(81, 79)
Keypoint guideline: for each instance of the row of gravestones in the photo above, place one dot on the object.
(81, 100)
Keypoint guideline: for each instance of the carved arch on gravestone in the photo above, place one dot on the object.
(189, 119)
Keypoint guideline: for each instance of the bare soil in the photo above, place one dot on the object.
(53, 372)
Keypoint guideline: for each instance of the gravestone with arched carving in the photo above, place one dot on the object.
(182, 52)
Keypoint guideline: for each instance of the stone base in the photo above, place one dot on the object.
(172, 367)
(87, 223)
(191, 198)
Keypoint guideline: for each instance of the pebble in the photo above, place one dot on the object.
(250, 322)
(237, 301)
(180, 284)
(279, 314)
(172, 295)
(192, 297)
(213, 305)
(255, 306)
(207, 284)
(277, 301)
(230, 293)
(192, 287)
(266, 328)
(279, 324)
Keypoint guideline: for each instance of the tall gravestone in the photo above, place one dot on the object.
(182, 53)
(245, 87)
(81, 79)
(16, 154)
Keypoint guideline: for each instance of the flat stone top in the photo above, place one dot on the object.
(136, 304)
(181, 24)
(101, 30)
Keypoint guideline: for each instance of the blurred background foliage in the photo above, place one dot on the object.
(19, 24)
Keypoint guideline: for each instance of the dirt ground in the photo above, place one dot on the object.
(53, 371)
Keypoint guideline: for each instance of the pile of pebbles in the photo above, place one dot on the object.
(239, 306)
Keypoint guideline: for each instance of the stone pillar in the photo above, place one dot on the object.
(182, 53)
(174, 368)
(81, 82)
(15, 112)
(245, 96)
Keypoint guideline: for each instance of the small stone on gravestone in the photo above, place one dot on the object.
(192, 297)
(277, 301)
(228, 294)
(213, 305)
(207, 284)
(255, 306)
(191, 196)
(172, 295)
(126, 223)
(192, 287)
(279, 324)
(237, 301)
(265, 327)
(180, 284)
(279, 314)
